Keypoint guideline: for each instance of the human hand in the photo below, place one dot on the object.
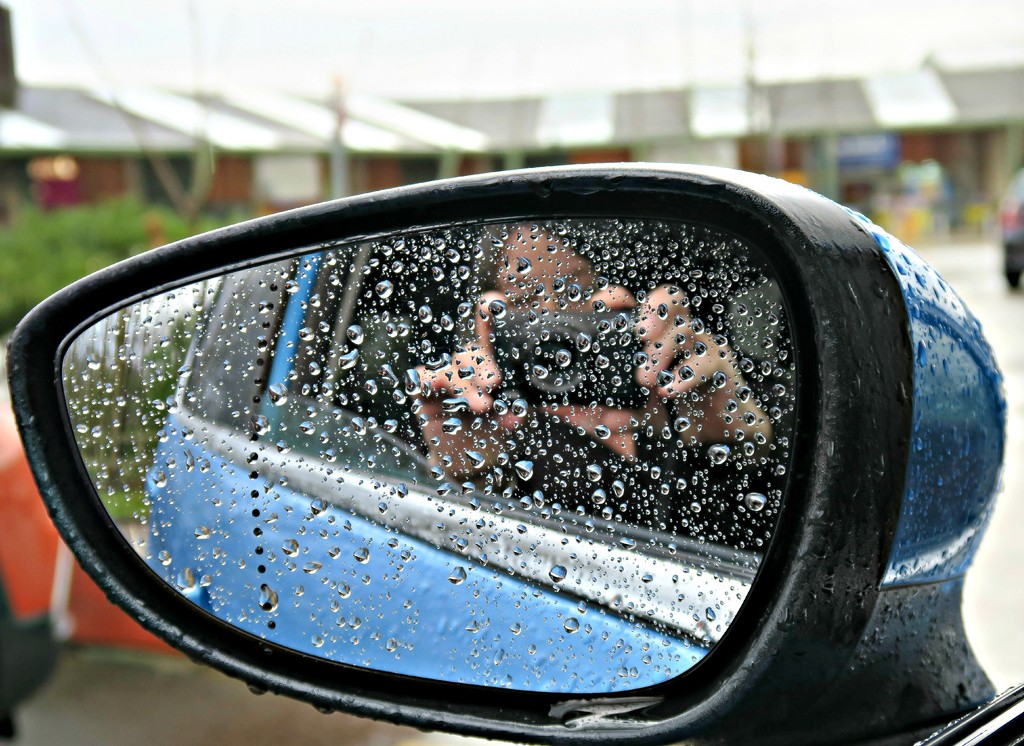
(695, 369)
(462, 421)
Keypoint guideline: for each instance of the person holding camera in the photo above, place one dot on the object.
(573, 392)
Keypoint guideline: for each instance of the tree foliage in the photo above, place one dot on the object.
(41, 252)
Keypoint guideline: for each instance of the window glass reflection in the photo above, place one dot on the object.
(491, 454)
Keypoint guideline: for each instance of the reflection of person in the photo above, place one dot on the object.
(688, 373)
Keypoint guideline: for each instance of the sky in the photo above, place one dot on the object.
(464, 49)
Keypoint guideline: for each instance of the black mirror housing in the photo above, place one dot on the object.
(834, 642)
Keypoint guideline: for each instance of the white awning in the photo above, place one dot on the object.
(415, 125)
(910, 99)
(576, 120)
(193, 118)
(719, 112)
(316, 120)
(18, 131)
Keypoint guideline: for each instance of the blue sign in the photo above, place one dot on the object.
(881, 150)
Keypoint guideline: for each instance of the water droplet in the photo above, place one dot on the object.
(583, 342)
(355, 334)
(318, 506)
(165, 558)
(572, 624)
(519, 407)
(412, 381)
(602, 432)
(260, 424)
(455, 404)
(524, 469)
(384, 289)
(523, 265)
(186, 580)
(362, 555)
(348, 360)
(563, 358)
(311, 568)
(718, 453)
(268, 598)
(278, 394)
(618, 488)
(593, 472)
(557, 573)
(451, 425)
(710, 614)
(458, 576)
(203, 532)
(290, 547)
(498, 309)
(160, 479)
(755, 501)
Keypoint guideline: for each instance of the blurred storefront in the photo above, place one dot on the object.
(926, 152)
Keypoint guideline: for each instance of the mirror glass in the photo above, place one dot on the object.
(544, 456)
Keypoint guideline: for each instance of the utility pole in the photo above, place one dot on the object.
(338, 153)
(758, 110)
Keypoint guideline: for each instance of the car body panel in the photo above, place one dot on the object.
(958, 432)
(396, 603)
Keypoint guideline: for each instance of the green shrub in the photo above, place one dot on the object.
(42, 252)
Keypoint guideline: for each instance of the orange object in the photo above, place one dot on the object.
(98, 622)
(28, 540)
(29, 551)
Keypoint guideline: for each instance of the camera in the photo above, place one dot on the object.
(560, 357)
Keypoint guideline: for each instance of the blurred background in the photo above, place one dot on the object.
(124, 127)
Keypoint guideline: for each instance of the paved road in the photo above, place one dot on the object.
(99, 699)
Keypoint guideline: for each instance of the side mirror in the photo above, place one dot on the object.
(661, 453)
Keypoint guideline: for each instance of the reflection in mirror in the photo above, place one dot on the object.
(547, 457)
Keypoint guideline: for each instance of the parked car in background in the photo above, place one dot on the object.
(1012, 223)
